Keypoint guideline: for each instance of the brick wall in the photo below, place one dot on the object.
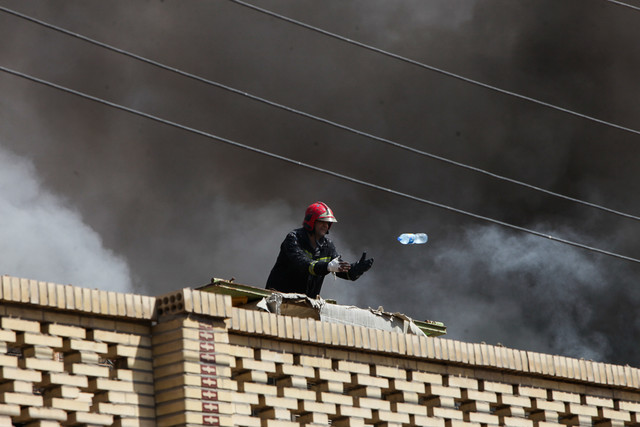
(75, 356)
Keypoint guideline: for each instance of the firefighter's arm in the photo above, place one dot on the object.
(358, 268)
(336, 265)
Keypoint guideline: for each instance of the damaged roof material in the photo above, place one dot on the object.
(300, 305)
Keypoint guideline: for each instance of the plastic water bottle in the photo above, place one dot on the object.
(412, 238)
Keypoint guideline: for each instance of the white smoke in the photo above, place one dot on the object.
(42, 239)
(535, 294)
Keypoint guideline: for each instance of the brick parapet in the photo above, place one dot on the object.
(189, 301)
(437, 350)
(68, 298)
(373, 388)
(74, 356)
(187, 358)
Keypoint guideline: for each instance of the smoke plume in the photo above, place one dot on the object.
(43, 239)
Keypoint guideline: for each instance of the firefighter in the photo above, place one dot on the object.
(307, 255)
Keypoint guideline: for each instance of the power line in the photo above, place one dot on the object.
(310, 116)
(432, 68)
(308, 166)
(624, 4)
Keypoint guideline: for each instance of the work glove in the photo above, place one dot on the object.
(358, 268)
(336, 265)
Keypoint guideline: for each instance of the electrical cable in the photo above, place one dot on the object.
(310, 116)
(432, 68)
(624, 4)
(306, 165)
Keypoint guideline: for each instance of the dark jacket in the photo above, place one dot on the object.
(301, 269)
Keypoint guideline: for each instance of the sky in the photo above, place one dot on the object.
(102, 198)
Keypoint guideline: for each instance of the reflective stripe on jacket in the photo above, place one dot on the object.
(299, 267)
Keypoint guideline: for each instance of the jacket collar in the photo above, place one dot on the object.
(305, 236)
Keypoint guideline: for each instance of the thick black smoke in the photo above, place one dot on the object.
(128, 203)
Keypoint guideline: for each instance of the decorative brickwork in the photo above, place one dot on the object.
(75, 356)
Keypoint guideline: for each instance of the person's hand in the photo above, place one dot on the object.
(337, 265)
(361, 266)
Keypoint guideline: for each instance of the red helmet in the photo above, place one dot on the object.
(317, 211)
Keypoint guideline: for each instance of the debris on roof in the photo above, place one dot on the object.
(299, 305)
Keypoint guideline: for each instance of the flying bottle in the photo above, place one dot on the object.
(413, 238)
